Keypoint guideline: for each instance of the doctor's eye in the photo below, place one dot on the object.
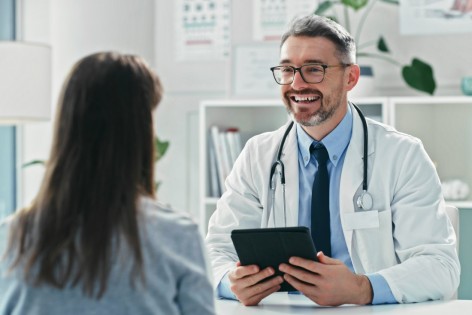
(313, 69)
(286, 69)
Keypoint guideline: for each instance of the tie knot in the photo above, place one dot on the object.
(320, 153)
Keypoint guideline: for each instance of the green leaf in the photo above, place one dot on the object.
(419, 75)
(34, 162)
(323, 7)
(332, 18)
(355, 4)
(396, 2)
(161, 148)
(382, 45)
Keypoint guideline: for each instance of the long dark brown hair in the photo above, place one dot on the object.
(101, 162)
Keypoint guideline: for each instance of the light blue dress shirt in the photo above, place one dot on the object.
(336, 143)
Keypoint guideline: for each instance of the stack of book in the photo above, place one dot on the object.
(225, 146)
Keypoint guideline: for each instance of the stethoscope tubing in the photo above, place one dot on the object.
(278, 161)
(365, 199)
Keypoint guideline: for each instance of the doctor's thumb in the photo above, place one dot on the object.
(322, 258)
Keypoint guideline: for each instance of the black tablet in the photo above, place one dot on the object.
(272, 246)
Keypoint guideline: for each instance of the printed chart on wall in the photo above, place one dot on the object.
(251, 74)
(202, 30)
(271, 16)
(435, 16)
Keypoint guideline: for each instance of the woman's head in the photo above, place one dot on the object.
(101, 162)
(104, 123)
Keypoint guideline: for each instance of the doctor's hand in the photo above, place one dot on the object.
(462, 5)
(327, 282)
(245, 283)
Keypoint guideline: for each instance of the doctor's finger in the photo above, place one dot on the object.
(326, 260)
(258, 277)
(243, 271)
(307, 264)
(254, 295)
(300, 273)
(300, 285)
(315, 266)
(313, 292)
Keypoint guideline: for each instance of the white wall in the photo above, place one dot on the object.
(185, 84)
(449, 55)
(146, 27)
(75, 29)
(33, 24)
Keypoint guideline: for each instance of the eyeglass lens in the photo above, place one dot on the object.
(310, 73)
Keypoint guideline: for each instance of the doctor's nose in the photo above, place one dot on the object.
(298, 82)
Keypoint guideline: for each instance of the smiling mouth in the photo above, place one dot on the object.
(306, 99)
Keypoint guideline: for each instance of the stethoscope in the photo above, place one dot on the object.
(364, 200)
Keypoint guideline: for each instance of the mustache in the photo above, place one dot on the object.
(302, 92)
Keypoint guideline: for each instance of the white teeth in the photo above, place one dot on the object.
(305, 99)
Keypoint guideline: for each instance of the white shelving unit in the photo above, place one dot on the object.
(444, 125)
(252, 117)
(373, 107)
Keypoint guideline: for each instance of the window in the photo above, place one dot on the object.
(7, 170)
(7, 133)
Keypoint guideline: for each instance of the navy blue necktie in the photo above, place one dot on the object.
(320, 227)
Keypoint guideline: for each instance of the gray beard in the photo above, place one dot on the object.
(316, 120)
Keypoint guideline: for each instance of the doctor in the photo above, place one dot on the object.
(389, 237)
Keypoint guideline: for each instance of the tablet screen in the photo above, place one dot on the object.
(272, 246)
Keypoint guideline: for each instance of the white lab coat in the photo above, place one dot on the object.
(409, 240)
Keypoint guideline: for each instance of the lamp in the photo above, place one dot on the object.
(25, 82)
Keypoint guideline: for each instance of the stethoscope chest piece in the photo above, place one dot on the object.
(365, 201)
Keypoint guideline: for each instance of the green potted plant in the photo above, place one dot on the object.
(417, 75)
(161, 149)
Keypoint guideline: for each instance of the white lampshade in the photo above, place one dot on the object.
(25, 82)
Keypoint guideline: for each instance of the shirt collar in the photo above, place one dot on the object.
(335, 142)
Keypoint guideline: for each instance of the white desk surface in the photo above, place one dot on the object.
(282, 303)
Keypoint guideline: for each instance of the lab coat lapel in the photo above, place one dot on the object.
(352, 173)
(290, 158)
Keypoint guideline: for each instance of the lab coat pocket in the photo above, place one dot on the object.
(361, 220)
(373, 240)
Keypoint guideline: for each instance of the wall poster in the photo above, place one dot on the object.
(251, 75)
(271, 16)
(202, 29)
(418, 17)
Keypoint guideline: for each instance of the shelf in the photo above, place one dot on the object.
(251, 117)
(431, 99)
(443, 124)
(463, 205)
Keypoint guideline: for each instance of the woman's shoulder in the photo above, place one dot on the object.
(164, 217)
(165, 230)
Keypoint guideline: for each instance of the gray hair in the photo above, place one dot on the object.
(320, 26)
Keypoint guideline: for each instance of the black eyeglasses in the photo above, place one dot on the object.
(311, 73)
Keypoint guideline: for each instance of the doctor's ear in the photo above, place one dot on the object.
(352, 76)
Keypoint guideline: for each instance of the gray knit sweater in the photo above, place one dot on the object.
(175, 270)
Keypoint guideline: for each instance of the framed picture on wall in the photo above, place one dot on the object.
(418, 17)
(250, 74)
